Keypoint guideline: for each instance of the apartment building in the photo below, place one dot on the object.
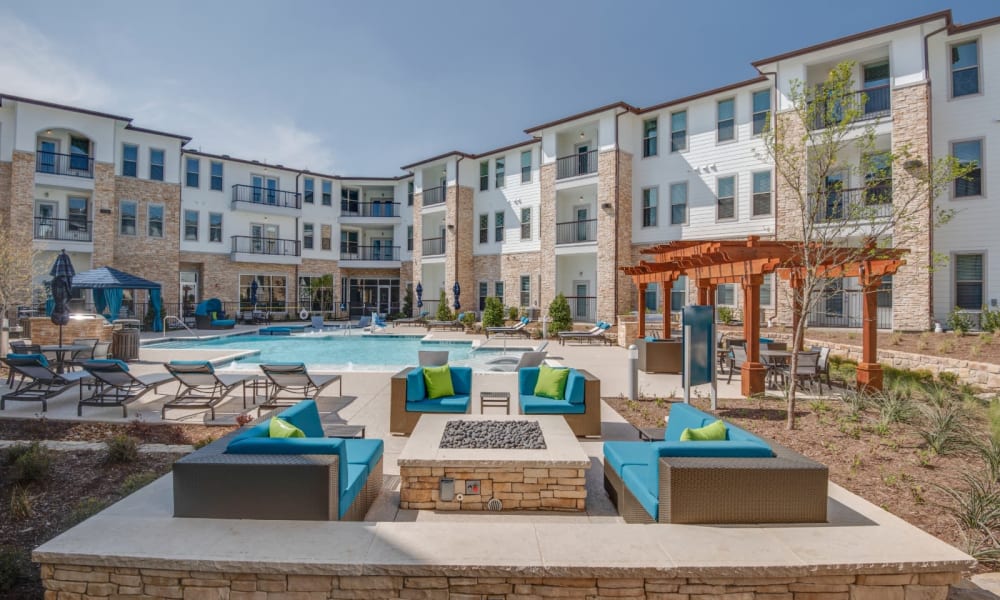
(559, 212)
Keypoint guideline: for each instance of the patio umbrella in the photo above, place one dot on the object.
(62, 275)
(420, 295)
(456, 289)
(253, 293)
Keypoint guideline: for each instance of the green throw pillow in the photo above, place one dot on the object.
(709, 433)
(552, 382)
(281, 428)
(438, 382)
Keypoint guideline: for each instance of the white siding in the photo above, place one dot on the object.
(510, 199)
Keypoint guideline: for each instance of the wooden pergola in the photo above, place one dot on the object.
(745, 262)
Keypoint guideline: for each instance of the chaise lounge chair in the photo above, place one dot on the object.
(456, 323)
(115, 386)
(518, 329)
(527, 359)
(38, 382)
(201, 387)
(415, 321)
(293, 382)
(595, 333)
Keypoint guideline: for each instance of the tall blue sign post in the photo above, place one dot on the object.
(698, 323)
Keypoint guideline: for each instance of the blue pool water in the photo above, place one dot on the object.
(340, 352)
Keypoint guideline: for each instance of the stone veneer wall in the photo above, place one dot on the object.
(485, 268)
(79, 582)
(512, 266)
(19, 201)
(615, 291)
(219, 276)
(42, 331)
(521, 488)
(417, 254)
(155, 259)
(458, 242)
(546, 264)
(106, 214)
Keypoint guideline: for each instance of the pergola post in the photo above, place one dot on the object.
(642, 310)
(869, 369)
(752, 372)
(666, 286)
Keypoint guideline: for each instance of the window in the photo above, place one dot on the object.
(649, 141)
(883, 299)
(726, 194)
(215, 227)
(725, 126)
(128, 210)
(78, 214)
(969, 153)
(484, 228)
(498, 289)
(191, 225)
(649, 201)
(652, 295)
(308, 235)
(525, 290)
(130, 160)
(215, 179)
(725, 294)
(409, 238)
(498, 226)
(878, 179)
(678, 293)
(484, 176)
(327, 192)
(761, 108)
(349, 200)
(349, 241)
(526, 166)
(678, 131)
(484, 291)
(156, 158)
(501, 178)
(969, 281)
(761, 194)
(409, 193)
(678, 203)
(526, 223)
(326, 238)
(154, 220)
(876, 86)
(271, 290)
(193, 168)
(965, 69)
(308, 190)
(767, 290)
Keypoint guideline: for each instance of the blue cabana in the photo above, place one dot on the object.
(108, 287)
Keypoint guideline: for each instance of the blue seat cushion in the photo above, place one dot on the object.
(447, 404)
(223, 322)
(356, 477)
(305, 416)
(536, 405)
(645, 491)
(364, 452)
(619, 454)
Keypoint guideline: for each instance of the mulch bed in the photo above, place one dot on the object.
(87, 431)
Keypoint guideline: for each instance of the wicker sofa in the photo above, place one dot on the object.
(408, 398)
(742, 479)
(660, 356)
(248, 475)
(581, 406)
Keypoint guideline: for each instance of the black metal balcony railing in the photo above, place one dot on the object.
(574, 232)
(583, 308)
(71, 230)
(582, 163)
(352, 252)
(245, 244)
(266, 196)
(845, 308)
(434, 195)
(369, 209)
(854, 204)
(74, 165)
(433, 246)
(873, 103)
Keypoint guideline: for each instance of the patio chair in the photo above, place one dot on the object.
(518, 329)
(20, 347)
(806, 369)
(378, 322)
(432, 358)
(79, 356)
(294, 383)
(596, 333)
(114, 385)
(737, 356)
(199, 386)
(527, 359)
(317, 322)
(38, 382)
(455, 323)
(823, 365)
(418, 320)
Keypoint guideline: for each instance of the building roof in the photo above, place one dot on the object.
(718, 90)
(505, 148)
(438, 157)
(581, 115)
(290, 169)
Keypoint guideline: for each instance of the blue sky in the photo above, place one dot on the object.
(361, 88)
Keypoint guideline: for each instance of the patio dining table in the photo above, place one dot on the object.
(774, 360)
(60, 353)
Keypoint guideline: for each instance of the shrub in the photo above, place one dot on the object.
(32, 463)
(513, 313)
(12, 567)
(989, 320)
(493, 313)
(989, 451)
(136, 481)
(561, 319)
(469, 319)
(407, 309)
(122, 449)
(443, 312)
(944, 428)
(938, 395)
(948, 378)
(894, 407)
(960, 321)
(976, 508)
(726, 315)
(21, 503)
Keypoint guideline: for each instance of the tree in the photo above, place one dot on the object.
(559, 313)
(321, 292)
(493, 313)
(443, 312)
(825, 139)
(407, 309)
(17, 264)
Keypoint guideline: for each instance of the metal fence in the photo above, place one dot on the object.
(573, 232)
(845, 308)
(573, 165)
(74, 165)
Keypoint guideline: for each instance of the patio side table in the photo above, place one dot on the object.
(494, 399)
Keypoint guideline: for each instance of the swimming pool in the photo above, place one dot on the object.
(337, 352)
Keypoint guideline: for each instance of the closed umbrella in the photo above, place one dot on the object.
(420, 295)
(62, 276)
(457, 289)
(253, 293)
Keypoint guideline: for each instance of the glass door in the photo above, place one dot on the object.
(376, 249)
(582, 214)
(271, 239)
(256, 238)
(835, 195)
(79, 154)
(583, 159)
(582, 292)
(47, 150)
(876, 86)
(77, 226)
(45, 223)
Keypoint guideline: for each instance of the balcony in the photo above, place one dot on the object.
(433, 246)
(845, 308)
(369, 253)
(434, 195)
(575, 232)
(369, 209)
(575, 165)
(265, 197)
(854, 204)
(583, 308)
(65, 230)
(266, 250)
(73, 165)
(871, 103)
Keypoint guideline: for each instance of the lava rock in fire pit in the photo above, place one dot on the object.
(518, 435)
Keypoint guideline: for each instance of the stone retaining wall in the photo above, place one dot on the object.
(72, 582)
(518, 488)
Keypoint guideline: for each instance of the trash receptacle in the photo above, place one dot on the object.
(125, 343)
